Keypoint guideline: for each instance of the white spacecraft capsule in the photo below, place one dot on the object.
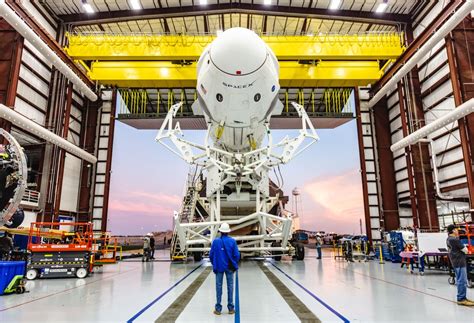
(237, 86)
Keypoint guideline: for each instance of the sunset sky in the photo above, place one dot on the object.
(148, 181)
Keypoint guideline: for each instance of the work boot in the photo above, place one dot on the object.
(217, 312)
(231, 312)
(466, 302)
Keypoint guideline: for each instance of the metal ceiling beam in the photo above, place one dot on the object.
(161, 48)
(415, 43)
(80, 19)
(133, 74)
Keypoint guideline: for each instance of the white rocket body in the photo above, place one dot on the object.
(237, 87)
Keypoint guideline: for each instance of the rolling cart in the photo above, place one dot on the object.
(59, 250)
(12, 277)
(470, 272)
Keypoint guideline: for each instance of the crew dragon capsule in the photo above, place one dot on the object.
(237, 86)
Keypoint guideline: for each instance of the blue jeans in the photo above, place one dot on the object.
(318, 249)
(229, 275)
(461, 282)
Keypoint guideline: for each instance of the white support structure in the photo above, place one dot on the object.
(227, 168)
(23, 122)
(458, 113)
(439, 35)
(16, 22)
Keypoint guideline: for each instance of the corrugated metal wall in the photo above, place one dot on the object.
(437, 99)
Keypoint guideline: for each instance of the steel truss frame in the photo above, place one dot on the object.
(226, 167)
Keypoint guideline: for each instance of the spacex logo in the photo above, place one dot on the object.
(244, 86)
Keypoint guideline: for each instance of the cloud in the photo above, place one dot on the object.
(159, 197)
(333, 202)
(330, 203)
(130, 212)
(144, 202)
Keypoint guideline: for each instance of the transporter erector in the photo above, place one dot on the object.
(237, 93)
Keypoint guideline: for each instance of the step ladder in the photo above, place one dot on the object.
(186, 215)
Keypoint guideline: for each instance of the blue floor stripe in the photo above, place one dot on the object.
(162, 295)
(237, 302)
(344, 319)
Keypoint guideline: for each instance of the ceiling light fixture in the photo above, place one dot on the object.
(87, 7)
(335, 4)
(267, 2)
(135, 4)
(382, 7)
(203, 2)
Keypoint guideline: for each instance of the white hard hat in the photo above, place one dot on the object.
(149, 234)
(224, 228)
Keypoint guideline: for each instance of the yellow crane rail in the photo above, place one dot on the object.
(371, 46)
(154, 74)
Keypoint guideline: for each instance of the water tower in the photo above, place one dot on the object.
(297, 207)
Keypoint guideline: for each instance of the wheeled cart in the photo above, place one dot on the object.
(470, 272)
(11, 277)
(59, 264)
(59, 250)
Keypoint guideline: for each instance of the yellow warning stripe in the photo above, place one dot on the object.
(59, 263)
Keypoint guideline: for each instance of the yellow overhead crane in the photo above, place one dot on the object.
(168, 61)
(292, 74)
(101, 47)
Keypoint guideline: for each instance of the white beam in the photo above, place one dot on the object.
(24, 123)
(458, 113)
(423, 50)
(20, 26)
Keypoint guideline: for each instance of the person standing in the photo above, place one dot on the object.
(224, 256)
(6, 246)
(319, 244)
(152, 246)
(146, 248)
(457, 256)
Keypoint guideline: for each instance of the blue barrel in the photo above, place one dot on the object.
(8, 270)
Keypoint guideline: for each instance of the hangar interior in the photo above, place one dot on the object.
(75, 68)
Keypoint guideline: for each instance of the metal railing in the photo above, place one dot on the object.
(334, 102)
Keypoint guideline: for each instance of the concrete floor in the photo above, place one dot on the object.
(335, 291)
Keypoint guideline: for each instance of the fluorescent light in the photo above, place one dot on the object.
(87, 7)
(203, 2)
(135, 4)
(165, 72)
(335, 4)
(381, 7)
(267, 2)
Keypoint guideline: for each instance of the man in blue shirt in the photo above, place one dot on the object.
(224, 257)
(457, 256)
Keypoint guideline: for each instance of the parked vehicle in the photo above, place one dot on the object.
(329, 238)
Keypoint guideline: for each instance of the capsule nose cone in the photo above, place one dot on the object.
(238, 51)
